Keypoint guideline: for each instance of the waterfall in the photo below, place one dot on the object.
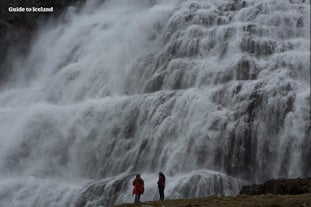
(214, 93)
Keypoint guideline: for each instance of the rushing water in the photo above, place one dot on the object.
(214, 93)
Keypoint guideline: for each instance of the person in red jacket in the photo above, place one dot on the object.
(161, 185)
(139, 188)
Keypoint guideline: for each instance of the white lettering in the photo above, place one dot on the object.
(16, 9)
(42, 9)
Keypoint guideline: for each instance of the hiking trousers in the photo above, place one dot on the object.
(137, 198)
(161, 192)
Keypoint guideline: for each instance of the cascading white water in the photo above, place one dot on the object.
(213, 93)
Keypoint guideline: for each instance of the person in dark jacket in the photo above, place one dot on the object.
(161, 185)
(139, 188)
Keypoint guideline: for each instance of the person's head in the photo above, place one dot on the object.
(138, 176)
(161, 174)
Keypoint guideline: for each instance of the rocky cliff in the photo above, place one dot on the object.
(28, 20)
(279, 186)
(16, 27)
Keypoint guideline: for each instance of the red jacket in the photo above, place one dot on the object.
(138, 184)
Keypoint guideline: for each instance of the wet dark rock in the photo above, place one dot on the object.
(258, 48)
(103, 192)
(28, 20)
(12, 43)
(232, 6)
(300, 22)
(16, 27)
(223, 77)
(155, 83)
(307, 150)
(279, 186)
(246, 69)
(297, 1)
(252, 190)
(256, 30)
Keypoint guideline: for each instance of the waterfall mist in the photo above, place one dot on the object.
(213, 93)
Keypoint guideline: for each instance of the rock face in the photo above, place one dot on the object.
(279, 186)
(28, 20)
(12, 42)
(16, 27)
(101, 194)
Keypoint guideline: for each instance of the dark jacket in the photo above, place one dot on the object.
(161, 181)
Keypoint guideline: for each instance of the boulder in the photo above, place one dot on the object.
(279, 186)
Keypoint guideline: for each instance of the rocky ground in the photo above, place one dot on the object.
(279, 187)
(273, 193)
(303, 200)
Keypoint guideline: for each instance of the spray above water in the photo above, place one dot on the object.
(213, 93)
